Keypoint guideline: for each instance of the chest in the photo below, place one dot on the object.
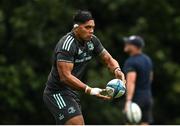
(84, 53)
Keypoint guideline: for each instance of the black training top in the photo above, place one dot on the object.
(69, 49)
(142, 65)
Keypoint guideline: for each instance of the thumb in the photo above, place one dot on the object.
(95, 91)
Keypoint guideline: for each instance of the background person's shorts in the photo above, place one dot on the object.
(62, 107)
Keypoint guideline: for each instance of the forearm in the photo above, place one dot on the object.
(74, 82)
(66, 76)
(130, 91)
(113, 64)
(110, 62)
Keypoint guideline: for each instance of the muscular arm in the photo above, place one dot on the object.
(130, 85)
(113, 65)
(110, 62)
(64, 70)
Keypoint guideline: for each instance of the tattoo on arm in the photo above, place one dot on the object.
(110, 62)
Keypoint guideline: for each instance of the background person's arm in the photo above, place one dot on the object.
(130, 87)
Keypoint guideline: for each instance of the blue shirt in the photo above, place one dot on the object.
(143, 67)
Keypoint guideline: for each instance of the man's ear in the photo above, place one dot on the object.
(75, 25)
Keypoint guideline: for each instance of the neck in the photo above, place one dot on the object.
(77, 36)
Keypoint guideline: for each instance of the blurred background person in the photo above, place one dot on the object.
(138, 69)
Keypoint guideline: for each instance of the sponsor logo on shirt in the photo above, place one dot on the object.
(84, 59)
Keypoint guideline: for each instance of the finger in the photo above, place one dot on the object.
(103, 97)
(124, 81)
(120, 76)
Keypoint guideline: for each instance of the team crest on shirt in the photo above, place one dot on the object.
(90, 45)
(71, 110)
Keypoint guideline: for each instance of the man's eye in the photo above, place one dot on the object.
(88, 27)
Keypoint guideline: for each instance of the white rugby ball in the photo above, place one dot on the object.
(133, 113)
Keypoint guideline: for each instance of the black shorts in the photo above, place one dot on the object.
(146, 108)
(62, 107)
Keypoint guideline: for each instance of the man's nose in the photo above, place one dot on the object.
(92, 31)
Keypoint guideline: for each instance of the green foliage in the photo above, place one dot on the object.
(30, 29)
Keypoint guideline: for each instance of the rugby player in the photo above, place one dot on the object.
(138, 69)
(70, 57)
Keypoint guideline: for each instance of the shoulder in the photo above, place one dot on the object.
(149, 61)
(95, 38)
(130, 60)
(66, 42)
(129, 65)
(147, 58)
